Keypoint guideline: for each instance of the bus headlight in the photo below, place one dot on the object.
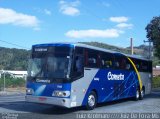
(29, 91)
(61, 93)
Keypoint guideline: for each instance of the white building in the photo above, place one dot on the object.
(14, 74)
(157, 67)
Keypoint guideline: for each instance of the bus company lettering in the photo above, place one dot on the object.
(42, 81)
(115, 76)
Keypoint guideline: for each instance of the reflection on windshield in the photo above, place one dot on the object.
(57, 67)
(49, 67)
(35, 66)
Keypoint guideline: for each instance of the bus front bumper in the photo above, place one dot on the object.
(64, 102)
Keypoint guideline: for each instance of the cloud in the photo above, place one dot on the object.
(69, 8)
(9, 16)
(47, 12)
(71, 11)
(43, 11)
(94, 33)
(118, 19)
(106, 4)
(124, 25)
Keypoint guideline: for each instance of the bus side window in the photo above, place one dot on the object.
(116, 64)
(121, 62)
(92, 58)
(78, 69)
(108, 64)
(128, 66)
(137, 66)
(106, 60)
(78, 63)
(137, 63)
(91, 61)
(149, 66)
(144, 66)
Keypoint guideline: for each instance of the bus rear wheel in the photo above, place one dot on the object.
(137, 97)
(91, 101)
(142, 94)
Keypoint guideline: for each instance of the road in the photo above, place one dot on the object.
(16, 106)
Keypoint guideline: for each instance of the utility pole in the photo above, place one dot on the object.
(131, 42)
(4, 81)
(149, 56)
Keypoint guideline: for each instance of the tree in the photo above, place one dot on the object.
(153, 34)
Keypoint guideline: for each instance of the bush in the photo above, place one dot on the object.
(156, 82)
(12, 82)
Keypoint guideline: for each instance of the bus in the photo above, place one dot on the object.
(75, 74)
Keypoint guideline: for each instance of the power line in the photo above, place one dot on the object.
(14, 44)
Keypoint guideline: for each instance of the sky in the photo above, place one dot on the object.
(24, 23)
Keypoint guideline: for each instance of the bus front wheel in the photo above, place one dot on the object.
(91, 101)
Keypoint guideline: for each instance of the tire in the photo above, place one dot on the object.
(91, 101)
(137, 97)
(142, 93)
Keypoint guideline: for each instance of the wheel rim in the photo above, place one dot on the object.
(142, 93)
(91, 100)
(137, 94)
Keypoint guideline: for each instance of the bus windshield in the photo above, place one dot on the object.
(51, 66)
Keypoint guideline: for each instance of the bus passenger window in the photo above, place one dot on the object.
(108, 64)
(92, 58)
(106, 60)
(78, 64)
(92, 61)
(117, 64)
(128, 66)
(122, 62)
(144, 66)
(78, 69)
(102, 63)
(137, 66)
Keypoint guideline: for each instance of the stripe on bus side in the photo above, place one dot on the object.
(136, 70)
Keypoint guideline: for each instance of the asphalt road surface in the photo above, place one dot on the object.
(15, 107)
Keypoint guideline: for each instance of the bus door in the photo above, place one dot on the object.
(78, 64)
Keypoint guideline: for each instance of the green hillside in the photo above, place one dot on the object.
(137, 50)
(13, 59)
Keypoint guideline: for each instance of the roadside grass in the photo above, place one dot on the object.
(12, 83)
(156, 82)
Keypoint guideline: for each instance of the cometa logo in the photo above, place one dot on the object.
(42, 81)
(115, 76)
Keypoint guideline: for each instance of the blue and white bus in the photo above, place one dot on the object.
(74, 74)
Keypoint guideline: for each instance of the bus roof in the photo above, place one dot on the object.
(92, 47)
